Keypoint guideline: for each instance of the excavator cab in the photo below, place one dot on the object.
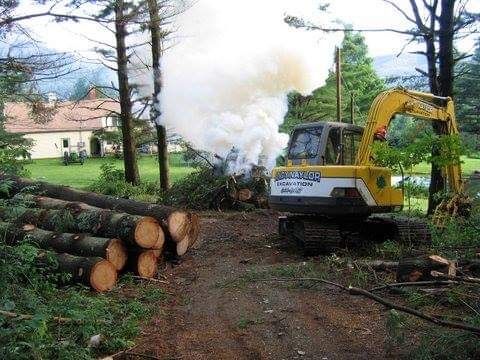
(324, 143)
(320, 175)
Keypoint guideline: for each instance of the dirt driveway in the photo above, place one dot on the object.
(221, 308)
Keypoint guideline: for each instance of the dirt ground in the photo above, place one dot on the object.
(207, 319)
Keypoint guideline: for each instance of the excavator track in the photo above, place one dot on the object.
(321, 235)
(315, 235)
(411, 231)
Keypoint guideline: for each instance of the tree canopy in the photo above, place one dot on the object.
(467, 89)
(358, 76)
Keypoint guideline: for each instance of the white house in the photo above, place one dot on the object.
(71, 127)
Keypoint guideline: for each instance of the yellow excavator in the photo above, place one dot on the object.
(334, 193)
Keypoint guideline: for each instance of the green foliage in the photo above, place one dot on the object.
(467, 88)
(462, 234)
(112, 182)
(389, 250)
(396, 325)
(28, 285)
(195, 190)
(112, 136)
(439, 343)
(14, 149)
(358, 76)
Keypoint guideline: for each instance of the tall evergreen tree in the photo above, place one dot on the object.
(467, 88)
(358, 76)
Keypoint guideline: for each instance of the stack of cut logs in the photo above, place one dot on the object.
(240, 195)
(96, 236)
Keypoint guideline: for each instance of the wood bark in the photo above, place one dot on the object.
(96, 272)
(418, 269)
(133, 230)
(180, 224)
(112, 250)
(445, 88)
(129, 148)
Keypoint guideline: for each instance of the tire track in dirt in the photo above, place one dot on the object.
(207, 319)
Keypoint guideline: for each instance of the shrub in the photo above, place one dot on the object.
(112, 182)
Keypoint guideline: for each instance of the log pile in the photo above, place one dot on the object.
(96, 236)
(238, 193)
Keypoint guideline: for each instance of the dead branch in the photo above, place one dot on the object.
(58, 319)
(414, 283)
(357, 291)
(465, 279)
(378, 264)
(142, 278)
(426, 317)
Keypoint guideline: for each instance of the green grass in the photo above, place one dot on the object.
(469, 165)
(80, 176)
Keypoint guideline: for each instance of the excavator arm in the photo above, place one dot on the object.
(417, 104)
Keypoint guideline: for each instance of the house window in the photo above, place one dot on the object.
(65, 143)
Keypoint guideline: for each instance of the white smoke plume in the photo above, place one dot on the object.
(227, 76)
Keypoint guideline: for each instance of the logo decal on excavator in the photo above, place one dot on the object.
(381, 183)
(300, 175)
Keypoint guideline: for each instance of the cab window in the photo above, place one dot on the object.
(332, 148)
(305, 143)
(350, 143)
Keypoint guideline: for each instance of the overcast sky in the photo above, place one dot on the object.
(73, 37)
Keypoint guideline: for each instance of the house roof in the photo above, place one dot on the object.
(66, 116)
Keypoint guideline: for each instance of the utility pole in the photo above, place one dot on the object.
(339, 83)
(352, 110)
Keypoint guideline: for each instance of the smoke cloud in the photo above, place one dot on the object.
(227, 76)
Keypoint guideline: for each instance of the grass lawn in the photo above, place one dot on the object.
(80, 176)
(469, 165)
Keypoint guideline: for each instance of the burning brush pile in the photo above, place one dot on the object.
(214, 186)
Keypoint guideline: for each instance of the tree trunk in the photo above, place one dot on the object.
(180, 224)
(144, 263)
(112, 250)
(156, 36)
(96, 272)
(444, 88)
(133, 230)
(129, 150)
(445, 53)
(162, 156)
(437, 181)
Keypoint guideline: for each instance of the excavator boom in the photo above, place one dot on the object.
(420, 105)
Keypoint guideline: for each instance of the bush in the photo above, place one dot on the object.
(112, 182)
(195, 190)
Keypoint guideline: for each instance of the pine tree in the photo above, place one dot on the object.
(467, 89)
(358, 76)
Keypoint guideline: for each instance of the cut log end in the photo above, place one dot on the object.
(160, 240)
(147, 232)
(147, 264)
(103, 276)
(117, 253)
(182, 246)
(28, 227)
(244, 194)
(178, 225)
